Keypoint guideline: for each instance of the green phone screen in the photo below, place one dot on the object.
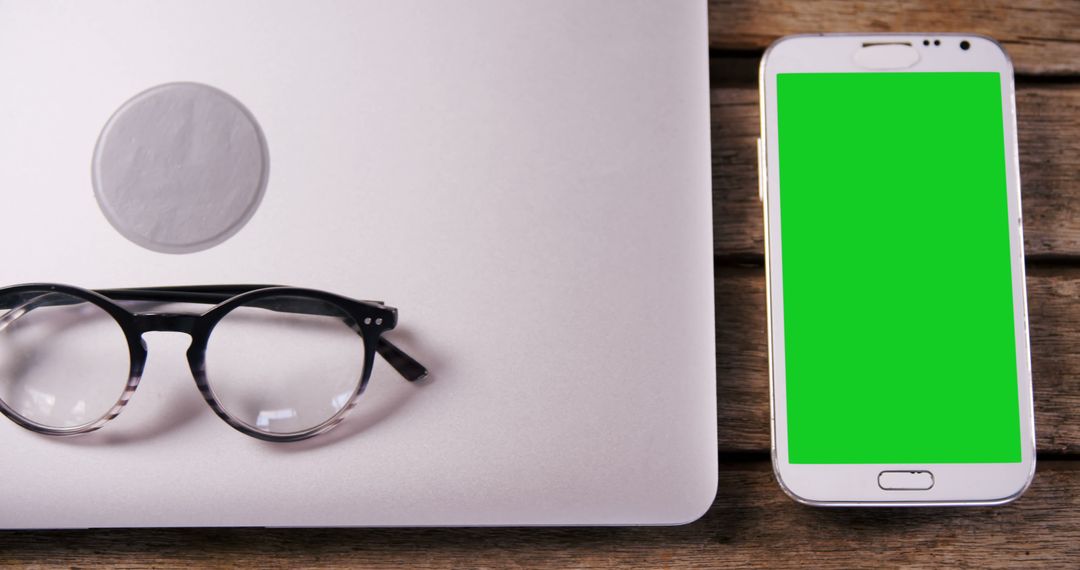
(898, 316)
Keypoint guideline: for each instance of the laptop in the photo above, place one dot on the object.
(528, 183)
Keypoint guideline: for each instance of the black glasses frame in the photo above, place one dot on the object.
(370, 319)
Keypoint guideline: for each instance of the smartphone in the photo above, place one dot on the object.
(898, 339)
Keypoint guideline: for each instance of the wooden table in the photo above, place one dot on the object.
(751, 522)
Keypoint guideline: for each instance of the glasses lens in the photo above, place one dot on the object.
(64, 362)
(284, 364)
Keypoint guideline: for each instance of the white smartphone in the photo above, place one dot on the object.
(894, 253)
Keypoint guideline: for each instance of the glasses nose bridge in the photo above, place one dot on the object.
(166, 322)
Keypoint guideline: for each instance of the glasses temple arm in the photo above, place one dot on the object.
(208, 294)
(405, 365)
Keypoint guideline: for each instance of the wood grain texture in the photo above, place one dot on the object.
(1048, 135)
(751, 524)
(743, 365)
(1042, 37)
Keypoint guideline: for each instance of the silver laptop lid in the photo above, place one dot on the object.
(527, 182)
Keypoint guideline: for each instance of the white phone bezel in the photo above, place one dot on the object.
(856, 484)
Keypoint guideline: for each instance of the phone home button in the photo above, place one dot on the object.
(905, 480)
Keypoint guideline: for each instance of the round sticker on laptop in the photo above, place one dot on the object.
(180, 168)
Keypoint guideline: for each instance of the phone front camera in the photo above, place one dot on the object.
(965, 45)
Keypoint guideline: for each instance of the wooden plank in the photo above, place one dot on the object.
(742, 358)
(1049, 138)
(1042, 37)
(751, 524)
(1048, 120)
(737, 213)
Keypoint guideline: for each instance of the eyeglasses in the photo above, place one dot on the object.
(276, 363)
